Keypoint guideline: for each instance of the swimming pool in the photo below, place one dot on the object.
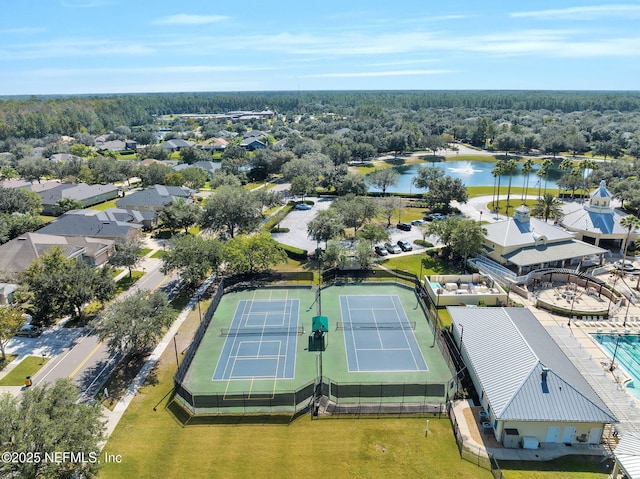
(627, 356)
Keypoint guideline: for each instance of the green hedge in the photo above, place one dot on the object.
(420, 242)
(280, 230)
(278, 217)
(294, 253)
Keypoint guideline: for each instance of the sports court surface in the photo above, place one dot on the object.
(255, 350)
(378, 335)
(261, 342)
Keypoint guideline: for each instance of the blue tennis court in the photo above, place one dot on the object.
(378, 335)
(261, 342)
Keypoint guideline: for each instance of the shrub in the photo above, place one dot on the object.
(280, 230)
(420, 242)
(278, 217)
(294, 253)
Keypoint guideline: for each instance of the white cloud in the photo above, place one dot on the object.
(184, 19)
(393, 73)
(159, 70)
(594, 12)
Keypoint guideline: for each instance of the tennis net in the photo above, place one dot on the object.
(379, 325)
(266, 331)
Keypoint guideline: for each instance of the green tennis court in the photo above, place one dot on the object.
(254, 355)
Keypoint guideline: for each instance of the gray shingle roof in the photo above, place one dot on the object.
(112, 223)
(79, 191)
(154, 197)
(508, 348)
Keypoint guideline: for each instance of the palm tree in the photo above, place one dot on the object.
(527, 168)
(546, 164)
(540, 174)
(510, 167)
(497, 171)
(585, 165)
(631, 223)
(547, 207)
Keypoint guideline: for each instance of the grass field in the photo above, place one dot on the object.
(27, 367)
(153, 444)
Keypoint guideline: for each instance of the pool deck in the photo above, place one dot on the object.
(592, 361)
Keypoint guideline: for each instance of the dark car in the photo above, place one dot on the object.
(404, 226)
(381, 250)
(392, 248)
(405, 245)
(29, 331)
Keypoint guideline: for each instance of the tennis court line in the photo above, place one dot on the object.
(405, 333)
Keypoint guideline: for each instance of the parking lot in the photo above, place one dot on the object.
(297, 236)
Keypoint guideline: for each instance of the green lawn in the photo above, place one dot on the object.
(27, 367)
(574, 467)
(126, 282)
(154, 444)
(7, 360)
(411, 263)
(158, 254)
(106, 205)
(145, 252)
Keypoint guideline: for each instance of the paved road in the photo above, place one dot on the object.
(78, 355)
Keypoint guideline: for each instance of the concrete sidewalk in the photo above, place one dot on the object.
(113, 417)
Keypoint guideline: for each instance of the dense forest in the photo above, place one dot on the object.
(37, 117)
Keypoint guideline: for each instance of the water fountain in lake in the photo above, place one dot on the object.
(466, 169)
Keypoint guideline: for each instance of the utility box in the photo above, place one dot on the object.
(529, 442)
(511, 438)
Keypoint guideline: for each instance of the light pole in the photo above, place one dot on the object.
(175, 347)
(615, 351)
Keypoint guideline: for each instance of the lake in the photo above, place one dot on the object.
(472, 173)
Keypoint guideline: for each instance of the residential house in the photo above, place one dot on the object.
(526, 243)
(209, 166)
(597, 220)
(16, 255)
(150, 201)
(254, 134)
(213, 144)
(176, 144)
(526, 384)
(252, 143)
(64, 157)
(87, 195)
(110, 224)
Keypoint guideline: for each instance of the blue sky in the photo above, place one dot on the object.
(113, 46)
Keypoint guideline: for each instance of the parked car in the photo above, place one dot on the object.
(392, 248)
(435, 216)
(381, 250)
(404, 226)
(29, 331)
(417, 222)
(405, 245)
(303, 206)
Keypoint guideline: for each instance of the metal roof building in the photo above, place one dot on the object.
(627, 455)
(524, 380)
